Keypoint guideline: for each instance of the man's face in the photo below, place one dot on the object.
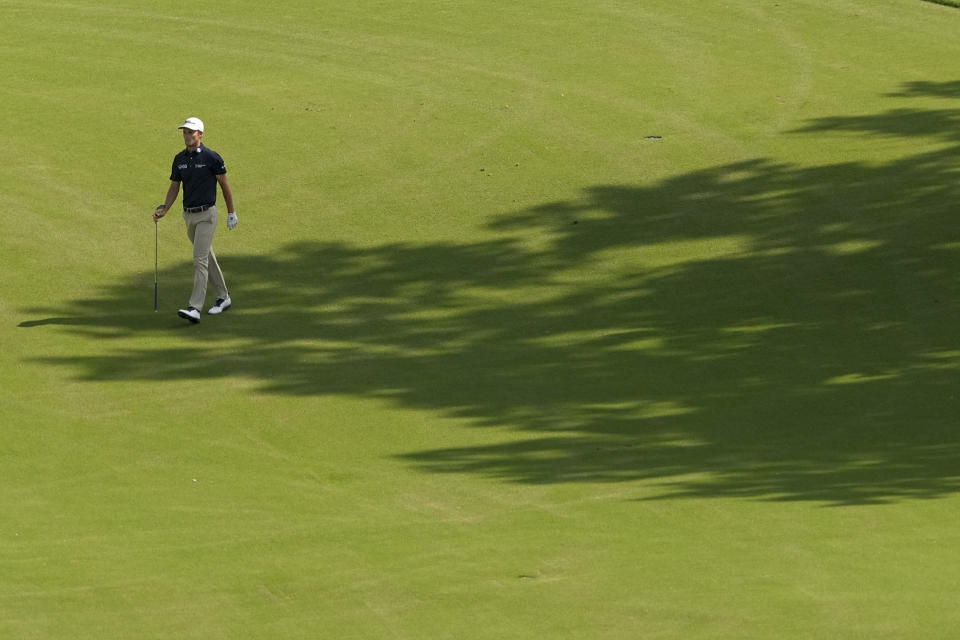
(192, 138)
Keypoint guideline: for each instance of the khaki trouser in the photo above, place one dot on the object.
(200, 228)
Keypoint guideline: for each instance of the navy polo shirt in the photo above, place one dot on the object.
(198, 172)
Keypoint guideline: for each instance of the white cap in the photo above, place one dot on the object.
(194, 124)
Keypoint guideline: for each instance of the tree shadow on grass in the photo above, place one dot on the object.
(757, 330)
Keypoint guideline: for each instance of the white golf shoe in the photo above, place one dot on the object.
(190, 314)
(222, 305)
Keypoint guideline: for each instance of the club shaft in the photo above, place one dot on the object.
(156, 268)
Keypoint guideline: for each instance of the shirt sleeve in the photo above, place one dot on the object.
(218, 167)
(175, 172)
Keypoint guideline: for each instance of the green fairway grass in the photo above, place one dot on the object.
(551, 319)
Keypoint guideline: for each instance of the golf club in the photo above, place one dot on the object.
(156, 262)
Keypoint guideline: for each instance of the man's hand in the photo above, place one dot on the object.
(159, 212)
(232, 220)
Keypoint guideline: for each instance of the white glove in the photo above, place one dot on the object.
(232, 220)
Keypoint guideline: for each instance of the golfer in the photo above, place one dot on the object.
(200, 170)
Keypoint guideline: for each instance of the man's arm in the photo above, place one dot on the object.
(228, 197)
(227, 193)
(168, 202)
